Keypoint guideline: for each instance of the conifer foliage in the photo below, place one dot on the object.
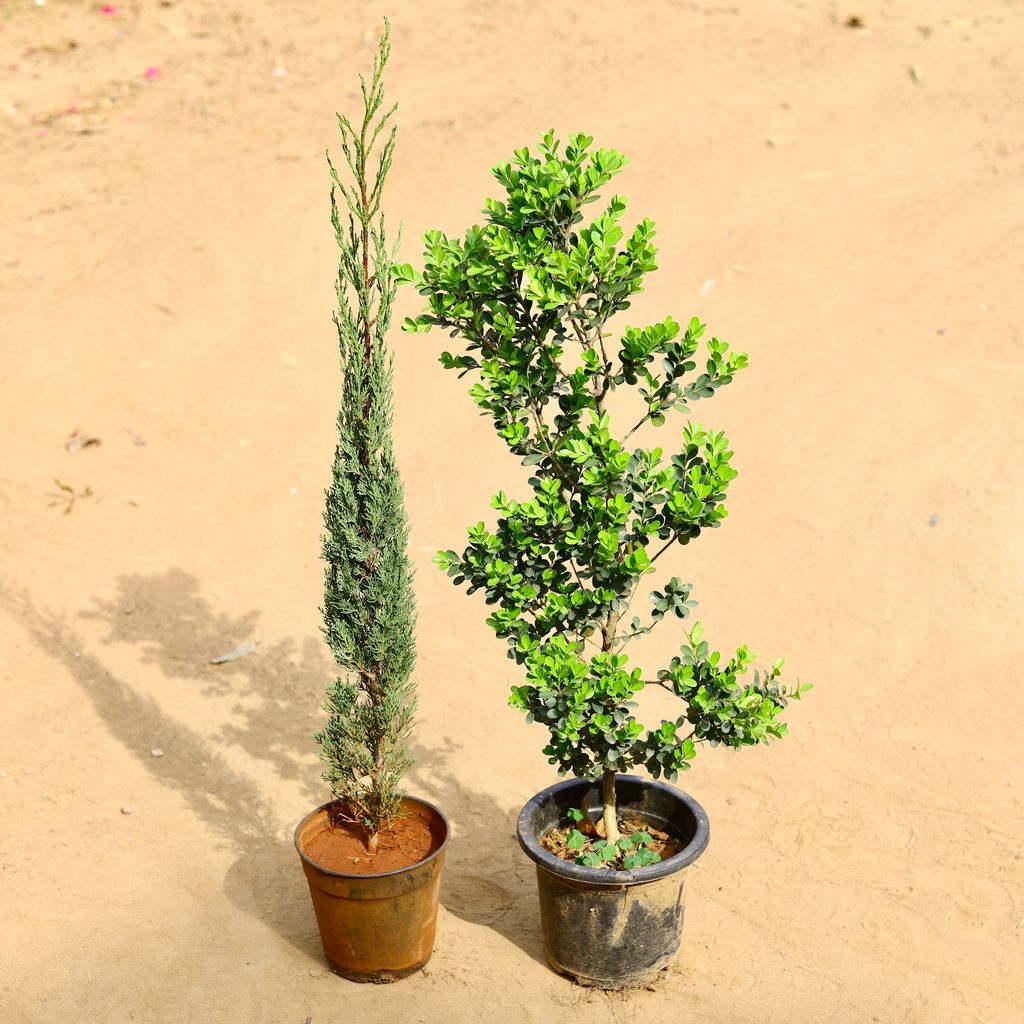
(369, 611)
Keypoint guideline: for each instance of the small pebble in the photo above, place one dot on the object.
(156, 752)
(934, 520)
(127, 808)
(916, 73)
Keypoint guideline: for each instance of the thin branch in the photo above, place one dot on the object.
(663, 683)
(542, 433)
(675, 536)
(634, 429)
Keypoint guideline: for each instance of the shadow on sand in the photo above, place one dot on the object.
(487, 880)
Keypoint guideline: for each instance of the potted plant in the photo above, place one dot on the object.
(531, 294)
(372, 855)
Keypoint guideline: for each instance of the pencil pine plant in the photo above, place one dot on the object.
(530, 296)
(368, 611)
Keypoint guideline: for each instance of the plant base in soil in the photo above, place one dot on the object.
(342, 848)
(662, 844)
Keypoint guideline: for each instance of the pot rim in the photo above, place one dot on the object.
(379, 874)
(611, 877)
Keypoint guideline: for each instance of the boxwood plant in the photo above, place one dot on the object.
(530, 295)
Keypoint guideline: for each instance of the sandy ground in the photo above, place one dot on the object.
(844, 204)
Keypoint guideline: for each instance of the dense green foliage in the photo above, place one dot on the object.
(530, 295)
(368, 609)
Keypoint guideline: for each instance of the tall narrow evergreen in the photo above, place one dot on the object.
(369, 611)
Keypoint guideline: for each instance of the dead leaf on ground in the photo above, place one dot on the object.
(585, 824)
(79, 440)
(64, 46)
(68, 496)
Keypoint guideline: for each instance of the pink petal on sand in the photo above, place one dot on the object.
(108, 9)
(152, 72)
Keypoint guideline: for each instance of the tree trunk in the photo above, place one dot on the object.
(371, 843)
(611, 822)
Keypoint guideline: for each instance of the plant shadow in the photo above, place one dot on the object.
(277, 688)
(487, 880)
(265, 881)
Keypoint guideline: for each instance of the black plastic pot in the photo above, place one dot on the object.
(602, 927)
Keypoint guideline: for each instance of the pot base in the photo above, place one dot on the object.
(647, 980)
(611, 938)
(377, 977)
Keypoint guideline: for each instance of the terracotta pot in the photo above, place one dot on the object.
(602, 927)
(377, 927)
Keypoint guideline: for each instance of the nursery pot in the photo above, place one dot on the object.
(377, 927)
(602, 927)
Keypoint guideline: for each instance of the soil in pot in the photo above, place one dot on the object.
(663, 844)
(342, 847)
